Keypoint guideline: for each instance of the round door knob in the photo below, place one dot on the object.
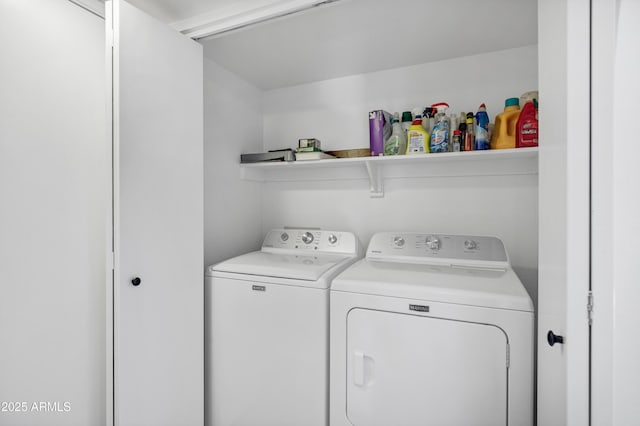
(136, 281)
(554, 338)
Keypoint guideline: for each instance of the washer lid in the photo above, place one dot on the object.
(304, 267)
(497, 288)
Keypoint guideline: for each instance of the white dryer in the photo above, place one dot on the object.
(267, 330)
(431, 330)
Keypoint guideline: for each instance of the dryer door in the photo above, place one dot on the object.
(416, 370)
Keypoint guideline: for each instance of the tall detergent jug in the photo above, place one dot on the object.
(504, 131)
(482, 128)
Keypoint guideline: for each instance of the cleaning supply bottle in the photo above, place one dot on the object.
(417, 137)
(463, 129)
(482, 129)
(440, 132)
(504, 131)
(427, 119)
(453, 126)
(407, 119)
(456, 141)
(397, 142)
(469, 136)
(527, 126)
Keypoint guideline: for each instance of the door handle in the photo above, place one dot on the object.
(552, 338)
(136, 281)
(358, 369)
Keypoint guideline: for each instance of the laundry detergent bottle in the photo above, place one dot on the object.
(527, 126)
(439, 141)
(504, 131)
(417, 137)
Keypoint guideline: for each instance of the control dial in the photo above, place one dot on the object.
(284, 236)
(470, 245)
(333, 239)
(433, 242)
(398, 241)
(307, 238)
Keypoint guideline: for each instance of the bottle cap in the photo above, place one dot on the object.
(511, 102)
(407, 116)
(482, 107)
(457, 133)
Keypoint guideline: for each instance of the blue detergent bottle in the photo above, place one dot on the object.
(482, 129)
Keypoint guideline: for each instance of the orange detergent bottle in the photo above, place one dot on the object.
(504, 131)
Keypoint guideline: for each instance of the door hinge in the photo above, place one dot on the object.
(590, 307)
(508, 356)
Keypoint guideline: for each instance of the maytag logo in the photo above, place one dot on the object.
(419, 308)
(259, 288)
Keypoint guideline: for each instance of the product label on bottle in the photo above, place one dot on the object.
(439, 141)
(416, 143)
(456, 144)
(482, 138)
(529, 135)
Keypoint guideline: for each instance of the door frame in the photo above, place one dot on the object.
(564, 202)
(110, 272)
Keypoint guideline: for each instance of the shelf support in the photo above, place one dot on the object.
(376, 184)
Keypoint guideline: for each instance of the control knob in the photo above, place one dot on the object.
(398, 241)
(307, 238)
(470, 245)
(333, 239)
(284, 236)
(433, 242)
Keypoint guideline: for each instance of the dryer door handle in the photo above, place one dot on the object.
(358, 368)
(363, 369)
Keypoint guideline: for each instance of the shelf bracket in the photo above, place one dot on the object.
(376, 185)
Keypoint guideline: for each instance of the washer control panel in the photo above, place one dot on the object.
(311, 240)
(417, 247)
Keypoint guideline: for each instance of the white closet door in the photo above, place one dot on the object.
(158, 222)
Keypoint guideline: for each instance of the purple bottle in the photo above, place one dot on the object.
(379, 131)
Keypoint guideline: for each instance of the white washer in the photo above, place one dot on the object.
(431, 330)
(267, 329)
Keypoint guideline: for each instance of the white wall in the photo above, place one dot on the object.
(54, 163)
(233, 125)
(335, 111)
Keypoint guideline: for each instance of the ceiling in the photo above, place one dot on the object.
(356, 36)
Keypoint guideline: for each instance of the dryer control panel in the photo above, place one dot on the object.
(311, 240)
(419, 247)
